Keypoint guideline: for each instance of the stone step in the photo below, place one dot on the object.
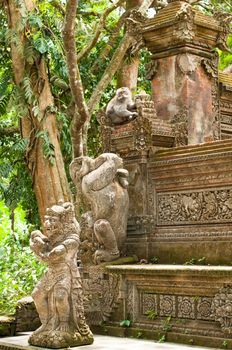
(101, 343)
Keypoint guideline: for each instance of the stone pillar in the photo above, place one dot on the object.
(184, 72)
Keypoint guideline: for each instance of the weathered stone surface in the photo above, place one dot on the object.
(180, 303)
(27, 318)
(7, 325)
(58, 296)
(104, 185)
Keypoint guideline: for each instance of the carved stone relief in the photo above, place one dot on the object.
(222, 308)
(225, 21)
(152, 68)
(180, 127)
(149, 303)
(167, 305)
(195, 207)
(211, 67)
(142, 134)
(186, 307)
(177, 306)
(184, 29)
(101, 294)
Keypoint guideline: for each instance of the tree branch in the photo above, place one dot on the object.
(115, 63)
(112, 41)
(9, 131)
(98, 31)
(73, 70)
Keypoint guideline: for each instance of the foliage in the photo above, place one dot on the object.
(151, 314)
(125, 323)
(19, 269)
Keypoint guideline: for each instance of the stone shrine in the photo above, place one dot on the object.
(178, 152)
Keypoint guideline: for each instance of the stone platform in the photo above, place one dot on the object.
(100, 343)
(176, 303)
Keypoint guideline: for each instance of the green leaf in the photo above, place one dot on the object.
(41, 45)
(125, 323)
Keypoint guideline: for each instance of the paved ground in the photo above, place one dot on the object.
(102, 342)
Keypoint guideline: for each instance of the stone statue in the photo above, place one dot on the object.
(121, 109)
(58, 296)
(104, 185)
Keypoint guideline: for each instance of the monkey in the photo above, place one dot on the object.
(121, 109)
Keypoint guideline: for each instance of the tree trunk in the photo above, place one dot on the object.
(128, 74)
(49, 178)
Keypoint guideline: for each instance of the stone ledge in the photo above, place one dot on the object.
(171, 269)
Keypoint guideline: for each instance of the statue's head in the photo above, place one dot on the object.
(80, 167)
(57, 217)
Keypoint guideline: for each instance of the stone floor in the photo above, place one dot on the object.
(101, 343)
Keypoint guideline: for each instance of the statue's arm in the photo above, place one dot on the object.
(38, 243)
(100, 177)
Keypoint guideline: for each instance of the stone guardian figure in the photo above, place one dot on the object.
(104, 185)
(58, 296)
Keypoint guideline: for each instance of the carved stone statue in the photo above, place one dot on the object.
(104, 186)
(121, 109)
(58, 296)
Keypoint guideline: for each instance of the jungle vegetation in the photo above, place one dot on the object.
(60, 62)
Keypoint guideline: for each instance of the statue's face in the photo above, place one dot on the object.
(52, 225)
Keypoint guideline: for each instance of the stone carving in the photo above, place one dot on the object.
(101, 293)
(167, 305)
(225, 20)
(149, 303)
(121, 109)
(152, 69)
(104, 186)
(186, 307)
(58, 296)
(142, 134)
(222, 308)
(211, 67)
(177, 306)
(180, 127)
(184, 29)
(194, 207)
(134, 28)
(204, 308)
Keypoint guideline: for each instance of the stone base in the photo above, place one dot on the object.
(177, 303)
(58, 339)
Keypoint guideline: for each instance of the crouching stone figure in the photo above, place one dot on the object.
(58, 296)
(104, 185)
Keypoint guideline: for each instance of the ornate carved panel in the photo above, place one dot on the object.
(177, 306)
(186, 307)
(204, 308)
(222, 308)
(167, 305)
(149, 303)
(195, 207)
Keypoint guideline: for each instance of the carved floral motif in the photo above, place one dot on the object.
(186, 307)
(203, 206)
(184, 29)
(180, 127)
(222, 307)
(101, 293)
(149, 303)
(225, 20)
(167, 305)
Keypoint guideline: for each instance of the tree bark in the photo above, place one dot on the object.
(49, 180)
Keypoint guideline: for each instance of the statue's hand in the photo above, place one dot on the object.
(57, 251)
